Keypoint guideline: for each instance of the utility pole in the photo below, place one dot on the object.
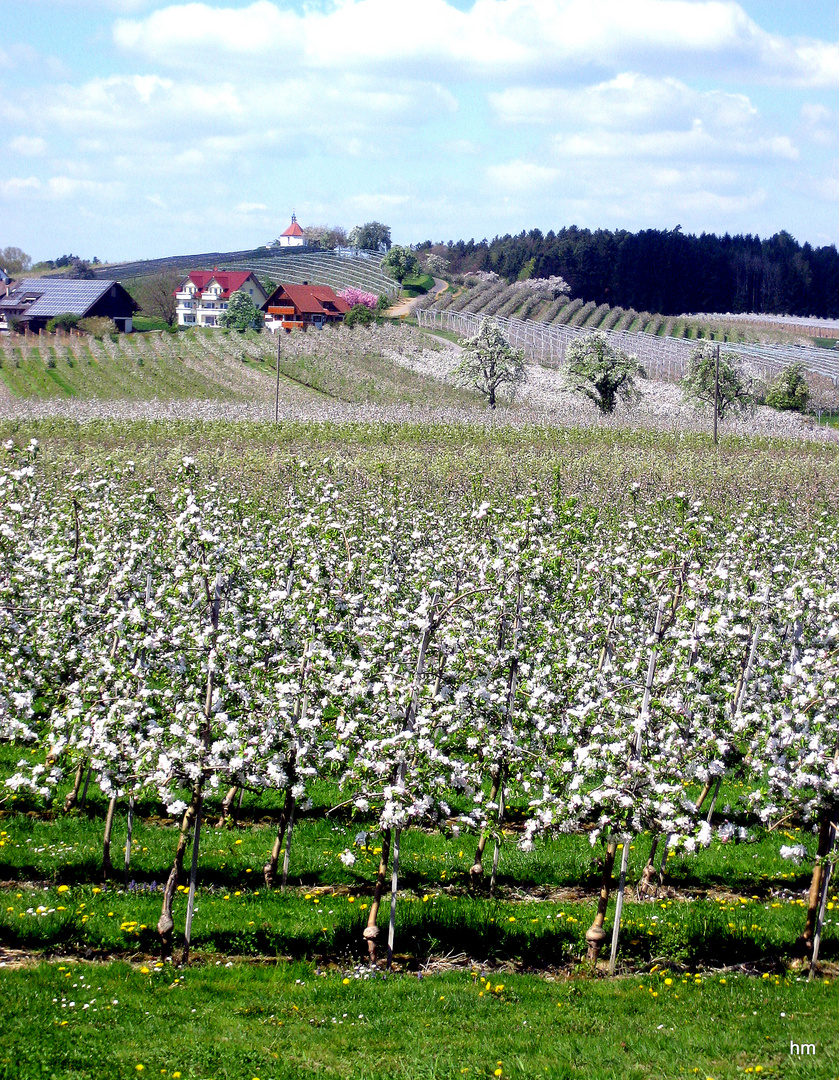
(277, 395)
(716, 388)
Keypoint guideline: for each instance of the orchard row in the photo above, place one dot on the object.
(439, 656)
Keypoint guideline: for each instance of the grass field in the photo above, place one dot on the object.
(281, 1022)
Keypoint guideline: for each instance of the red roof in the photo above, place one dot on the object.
(294, 230)
(310, 299)
(230, 282)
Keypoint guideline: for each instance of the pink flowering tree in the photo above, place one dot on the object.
(355, 296)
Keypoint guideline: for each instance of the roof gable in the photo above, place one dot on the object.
(229, 281)
(310, 299)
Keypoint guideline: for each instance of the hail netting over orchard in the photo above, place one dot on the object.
(666, 358)
(436, 657)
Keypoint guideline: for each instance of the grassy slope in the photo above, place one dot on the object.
(207, 365)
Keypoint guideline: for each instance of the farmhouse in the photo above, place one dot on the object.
(204, 294)
(293, 236)
(34, 301)
(301, 306)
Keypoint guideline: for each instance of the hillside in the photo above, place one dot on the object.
(340, 270)
(362, 366)
(547, 300)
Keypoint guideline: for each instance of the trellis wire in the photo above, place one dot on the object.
(666, 359)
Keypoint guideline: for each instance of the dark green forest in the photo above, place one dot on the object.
(665, 271)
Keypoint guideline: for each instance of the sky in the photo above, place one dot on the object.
(142, 128)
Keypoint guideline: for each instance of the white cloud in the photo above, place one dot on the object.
(819, 123)
(19, 185)
(497, 38)
(522, 176)
(635, 116)
(249, 207)
(629, 102)
(57, 188)
(697, 143)
(28, 146)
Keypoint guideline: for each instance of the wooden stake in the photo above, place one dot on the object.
(83, 799)
(193, 875)
(287, 853)
(635, 753)
(616, 929)
(716, 389)
(277, 395)
(822, 907)
(394, 886)
(130, 822)
(499, 768)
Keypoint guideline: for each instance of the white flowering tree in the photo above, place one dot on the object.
(602, 372)
(490, 364)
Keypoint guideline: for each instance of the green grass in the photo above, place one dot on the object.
(287, 1021)
(361, 378)
(86, 369)
(144, 323)
(544, 905)
(417, 285)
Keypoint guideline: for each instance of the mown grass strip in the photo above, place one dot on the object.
(286, 1021)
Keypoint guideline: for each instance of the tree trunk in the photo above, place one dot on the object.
(107, 865)
(476, 871)
(596, 935)
(647, 876)
(166, 924)
(227, 806)
(814, 898)
(73, 794)
(269, 870)
(372, 931)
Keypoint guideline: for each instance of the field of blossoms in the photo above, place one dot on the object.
(441, 717)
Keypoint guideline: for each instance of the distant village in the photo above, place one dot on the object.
(203, 297)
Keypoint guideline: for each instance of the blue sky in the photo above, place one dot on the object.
(134, 128)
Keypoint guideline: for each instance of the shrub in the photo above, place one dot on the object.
(359, 315)
(789, 391)
(98, 326)
(67, 321)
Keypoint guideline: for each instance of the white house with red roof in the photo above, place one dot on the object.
(203, 295)
(293, 236)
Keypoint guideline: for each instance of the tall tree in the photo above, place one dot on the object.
(14, 260)
(156, 296)
(372, 236)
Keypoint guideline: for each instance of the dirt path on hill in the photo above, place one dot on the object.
(406, 307)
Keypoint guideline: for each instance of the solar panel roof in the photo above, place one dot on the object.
(55, 296)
